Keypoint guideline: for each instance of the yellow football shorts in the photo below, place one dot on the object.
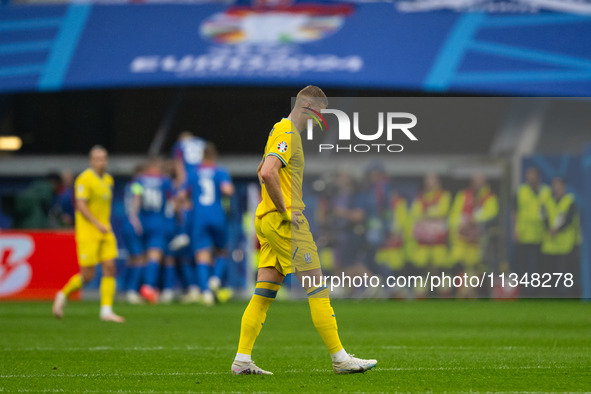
(94, 251)
(285, 249)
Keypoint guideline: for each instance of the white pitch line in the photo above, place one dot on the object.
(215, 348)
(100, 375)
(462, 347)
(94, 375)
(190, 391)
(497, 368)
(102, 391)
(115, 348)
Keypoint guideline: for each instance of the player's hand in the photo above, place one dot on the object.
(293, 217)
(296, 220)
(102, 228)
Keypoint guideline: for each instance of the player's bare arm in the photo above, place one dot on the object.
(260, 166)
(183, 201)
(179, 167)
(134, 214)
(270, 176)
(82, 207)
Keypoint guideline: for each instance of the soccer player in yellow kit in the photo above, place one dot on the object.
(95, 241)
(286, 241)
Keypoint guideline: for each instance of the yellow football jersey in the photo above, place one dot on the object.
(285, 144)
(98, 193)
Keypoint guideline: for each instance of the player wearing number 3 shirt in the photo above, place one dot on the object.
(207, 185)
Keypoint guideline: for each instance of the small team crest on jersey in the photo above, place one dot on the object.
(282, 147)
(307, 258)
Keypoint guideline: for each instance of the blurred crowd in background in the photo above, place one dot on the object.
(47, 202)
(378, 224)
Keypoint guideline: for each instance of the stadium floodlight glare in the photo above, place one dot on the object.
(10, 143)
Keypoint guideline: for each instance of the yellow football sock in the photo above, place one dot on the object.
(324, 319)
(107, 290)
(74, 283)
(255, 314)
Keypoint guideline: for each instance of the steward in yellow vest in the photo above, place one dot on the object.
(472, 210)
(529, 224)
(428, 230)
(562, 238)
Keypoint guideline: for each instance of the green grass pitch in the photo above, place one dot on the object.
(534, 346)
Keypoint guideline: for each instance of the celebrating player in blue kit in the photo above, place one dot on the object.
(171, 220)
(151, 191)
(187, 154)
(208, 185)
(133, 243)
(181, 251)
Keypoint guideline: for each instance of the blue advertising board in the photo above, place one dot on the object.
(331, 44)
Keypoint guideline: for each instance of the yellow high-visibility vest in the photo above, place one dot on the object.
(564, 241)
(529, 224)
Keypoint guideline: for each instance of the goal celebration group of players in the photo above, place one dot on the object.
(168, 219)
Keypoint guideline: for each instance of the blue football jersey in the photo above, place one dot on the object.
(128, 197)
(155, 191)
(205, 187)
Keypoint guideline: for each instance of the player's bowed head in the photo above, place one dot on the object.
(309, 98)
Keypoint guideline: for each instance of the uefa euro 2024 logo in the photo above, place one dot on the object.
(394, 122)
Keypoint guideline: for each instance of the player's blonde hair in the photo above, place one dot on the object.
(314, 93)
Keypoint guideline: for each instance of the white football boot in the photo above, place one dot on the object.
(192, 296)
(207, 298)
(214, 283)
(247, 368)
(353, 365)
(133, 297)
(58, 305)
(112, 317)
(167, 296)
